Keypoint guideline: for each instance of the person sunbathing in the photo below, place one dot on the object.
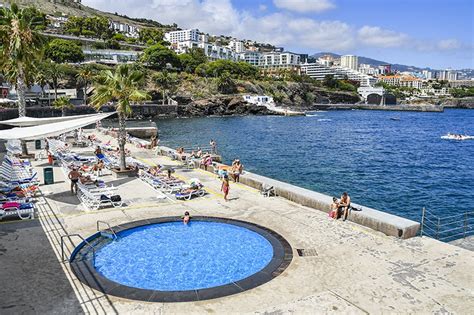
(190, 190)
(98, 151)
(87, 180)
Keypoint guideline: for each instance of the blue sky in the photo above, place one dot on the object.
(432, 33)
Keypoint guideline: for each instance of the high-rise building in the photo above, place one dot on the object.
(442, 75)
(427, 74)
(452, 75)
(350, 62)
(237, 46)
(182, 36)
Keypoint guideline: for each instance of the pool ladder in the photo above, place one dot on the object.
(83, 239)
(105, 232)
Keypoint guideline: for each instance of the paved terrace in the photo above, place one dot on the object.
(352, 269)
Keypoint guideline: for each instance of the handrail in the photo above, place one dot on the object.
(83, 239)
(109, 228)
(446, 227)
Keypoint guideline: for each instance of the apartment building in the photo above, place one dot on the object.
(350, 62)
(212, 51)
(182, 36)
(319, 72)
(236, 46)
(280, 60)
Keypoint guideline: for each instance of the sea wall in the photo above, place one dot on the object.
(375, 219)
(147, 110)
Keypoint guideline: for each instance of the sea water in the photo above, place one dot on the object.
(398, 166)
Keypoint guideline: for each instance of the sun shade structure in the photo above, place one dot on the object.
(31, 121)
(52, 129)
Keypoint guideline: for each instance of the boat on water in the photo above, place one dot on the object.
(454, 136)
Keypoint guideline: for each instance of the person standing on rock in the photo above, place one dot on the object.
(213, 145)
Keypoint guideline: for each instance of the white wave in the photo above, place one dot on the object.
(312, 115)
(324, 119)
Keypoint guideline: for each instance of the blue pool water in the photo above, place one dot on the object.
(395, 166)
(175, 257)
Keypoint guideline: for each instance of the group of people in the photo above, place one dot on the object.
(75, 176)
(341, 206)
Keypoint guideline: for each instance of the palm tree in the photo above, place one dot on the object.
(62, 103)
(55, 73)
(85, 76)
(20, 49)
(166, 82)
(121, 87)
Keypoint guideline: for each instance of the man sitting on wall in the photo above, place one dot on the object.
(345, 204)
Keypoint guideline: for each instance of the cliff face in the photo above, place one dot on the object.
(221, 106)
(465, 102)
(199, 97)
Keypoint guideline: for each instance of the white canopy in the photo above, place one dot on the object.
(31, 121)
(52, 129)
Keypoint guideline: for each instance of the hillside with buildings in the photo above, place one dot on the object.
(189, 66)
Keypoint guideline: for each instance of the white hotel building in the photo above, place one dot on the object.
(182, 36)
(280, 60)
(319, 72)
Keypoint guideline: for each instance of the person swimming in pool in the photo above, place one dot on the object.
(186, 217)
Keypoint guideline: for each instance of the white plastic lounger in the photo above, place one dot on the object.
(94, 202)
(24, 213)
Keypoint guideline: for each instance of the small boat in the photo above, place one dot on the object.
(454, 136)
(395, 118)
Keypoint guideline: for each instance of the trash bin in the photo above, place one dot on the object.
(48, 175)
(37, 144)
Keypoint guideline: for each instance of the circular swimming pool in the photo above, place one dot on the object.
(167, 260)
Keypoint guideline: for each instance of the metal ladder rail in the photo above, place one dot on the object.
(108, 228)
(83, 239)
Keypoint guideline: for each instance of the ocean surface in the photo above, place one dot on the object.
(398, 166)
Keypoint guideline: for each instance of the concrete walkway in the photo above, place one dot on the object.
(350, 269)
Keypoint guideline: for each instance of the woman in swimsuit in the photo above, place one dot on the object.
(225, 186)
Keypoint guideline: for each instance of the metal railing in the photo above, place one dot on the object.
(83, 239)
(109, 228)
(447, 228)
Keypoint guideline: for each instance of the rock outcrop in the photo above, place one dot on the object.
(221, 106)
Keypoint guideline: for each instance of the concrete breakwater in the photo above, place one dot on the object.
(400, 107)
(375, 219)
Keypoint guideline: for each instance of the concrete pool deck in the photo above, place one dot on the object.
(349, 268)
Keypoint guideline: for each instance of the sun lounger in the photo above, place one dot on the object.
(23, 210)
(94, 201)
(187, 194)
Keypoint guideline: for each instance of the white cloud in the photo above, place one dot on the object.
(379, 37)
(262, 7)
(448, 44)
(303, 6)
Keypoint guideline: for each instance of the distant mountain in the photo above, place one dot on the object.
(374, 62)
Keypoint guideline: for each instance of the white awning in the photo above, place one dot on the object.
(52, 129)
(31, 121)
